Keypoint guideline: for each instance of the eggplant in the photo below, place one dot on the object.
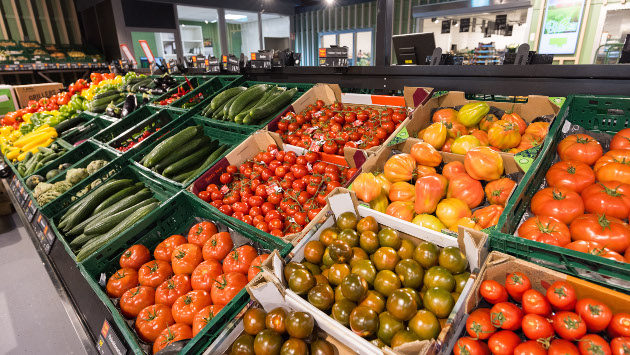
(145, 99)
(131, 102)
(110, 110)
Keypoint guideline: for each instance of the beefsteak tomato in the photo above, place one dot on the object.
(596, 249)
(465, 188)
(425, 154)
(515, 119)
(504, 135)
(614, 166)
(171, 334)
(610, 232)
(538, 129)
(240, 259)
(451, 210)
(217, 247)
(487, 121)
(428, 221)
(558, 202)
(482, 136)
(435, 135)
(121, 281)
(400, 167)
(621, 140)
(185, 259)
(445, 115)
(385, 184)
(580, 147)
(488, 216)
(366, 187)
(465, 222)
(483, 163)
(546, 230)
(453, 168)
(400, 209)
(402, 191)
(429, 191)
(205, 273)
(201, 232)
(172, 289)
(573, 175)
(226, 287)
(461, 145)
(186, 306)
(498, 191)
(610, 198)
(152, 320)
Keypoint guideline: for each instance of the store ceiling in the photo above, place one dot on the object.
(201, 14)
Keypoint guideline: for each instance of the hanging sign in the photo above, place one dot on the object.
(147, 50)
(128, 54)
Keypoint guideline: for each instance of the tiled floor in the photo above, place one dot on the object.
(32, 317)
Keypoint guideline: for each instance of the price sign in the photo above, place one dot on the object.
(108, 342)
(30, 210)
(44, 233)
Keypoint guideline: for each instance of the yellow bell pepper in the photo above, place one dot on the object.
(27, 117)
(15, 136)
(6, 130)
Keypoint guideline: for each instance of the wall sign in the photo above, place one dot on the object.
(464, 25)
(446, 26)
(561, 27)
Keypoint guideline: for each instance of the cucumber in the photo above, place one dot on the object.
(187, 162)
(102, 225)
(67, 124)
(131, 190)
(253, 93)
(271, 93)
(95, 197)
(224, 96)
(215, 112)
(245, 111)
(270, 107)
(226, 108)
(171, 144)
(107, 93)
(80, 240)
(185, 151)
(208, 162)
(102, 240)
(182, 177)
(205, 110)
(115, 208)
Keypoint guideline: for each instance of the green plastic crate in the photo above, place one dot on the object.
(196, 82)
(209, 88)
(496, 98)
(604, 114)
(175, 216)
(119, 169)
(96, 124)
(120, 126)
(249, 129)
(79, 157)
(230, 138)
(13, 167)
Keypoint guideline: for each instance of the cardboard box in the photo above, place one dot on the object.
(268, 294)
(412, 99)
(248, 149)
(472, 243)
(26, 93)
(376, 163)
(8, 100)
(498, 265)
(535, 106)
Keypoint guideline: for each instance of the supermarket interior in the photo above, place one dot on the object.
(323, 177)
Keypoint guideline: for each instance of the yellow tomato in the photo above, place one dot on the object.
(428, 221)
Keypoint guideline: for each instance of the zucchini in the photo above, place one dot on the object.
(187, 162)
(129, 191)
(208, 162)
(270, 107)
(226, 109)
(102, 240)
(185, 151)
(115, 208)
(170, 145)
(224, 96)
(95, 197)
(102, 225)
(253, 93)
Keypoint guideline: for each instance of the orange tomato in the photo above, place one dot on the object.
(428, 221)
(435, 135)
(445, 115)
(546, 230)
(446, 148)
(538, 129)
(382, 180)
(516, 119)
(465, 143)
(451, 210)
(613, 166)
(401, 210)
(453, 168)
(580, 147)
(487, 122)
(422, 170)
(400, 167)
(465, 188)
(482, 136)
(402, 191)
(455, 130)
(504, 135)
(366, 187)
(573, 175)
(483, 163)
(621, 140)
(426, 154)
(429, 190)
(488, 216)
(558, 202)
(465, 222)
(498, 191)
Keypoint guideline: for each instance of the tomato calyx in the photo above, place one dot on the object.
(560, 292)
(208, 318)
(516, 279)
(187, 300)
(478, 329)
(583, 140)
(570, 323)
(135, 293)
(180, 254)
(222, 284)
(611, 192)
(595, 309)
(171, 284)
(151, 316)
(463, 350)
(557, 195)
(153, 268)
(199, 230)
(545, 228)
(170, 336)
(603, 221)
(593, 348)
(120, 274)
(498, 319)
(127, 254)
(571, 170)
(545, 342)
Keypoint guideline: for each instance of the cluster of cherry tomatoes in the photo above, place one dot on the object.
(553, 323)
(331, 128)
(189, 281)
(277, 191)
(588, 202)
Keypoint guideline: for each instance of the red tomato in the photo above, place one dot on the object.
(561, 295)
(619, 325)
(503, 342)
(135, 300)
(610, 198)
(204, 275)
(164, 250)
(568, 325)
(170, 290)
(226, 287)
(240, 259)
(530, 347)
(154, 273)
(493, 292)
(620, 346)
(203, 317)
(580, 147)
(506, 315)
(470, 346)
(205, 195)
(171, 334)
(152, 320)
(593, 344)
(608, 231)
(201, 232)
(256, 266)
(562, 347)
(546, 230)
(596, 314)
(186, 306)
(479, 324)
(536, 303)
(185, 259)
(121, 281)
(573, 175)
(558, 202)
(536, 327)
(218, 246)
(516, 284)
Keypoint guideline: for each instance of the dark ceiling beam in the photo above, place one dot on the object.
(313, 5)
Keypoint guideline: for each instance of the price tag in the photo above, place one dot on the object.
(309, 166)
(224, 189)
(25, 198)
(44, 233)
(108, 342)
(30, 211)
(317, 114)
(316, 146)
(311, 129)
(318, 136)
(357, 123)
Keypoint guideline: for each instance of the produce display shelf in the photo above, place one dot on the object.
(600, 114)
(230, 138)
(123, 125)
(196, 82)
(209, 88)
(249, 129)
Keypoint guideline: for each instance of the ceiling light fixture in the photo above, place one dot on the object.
(213, 21)
(436, 20)
(206, 22)
(330, 2)
(236, 17)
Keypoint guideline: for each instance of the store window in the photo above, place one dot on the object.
(162, 45)
(615, 29)
(199, 30)
(359, 44)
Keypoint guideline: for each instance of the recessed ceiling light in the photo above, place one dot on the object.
(206, 22)
(235, 17)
